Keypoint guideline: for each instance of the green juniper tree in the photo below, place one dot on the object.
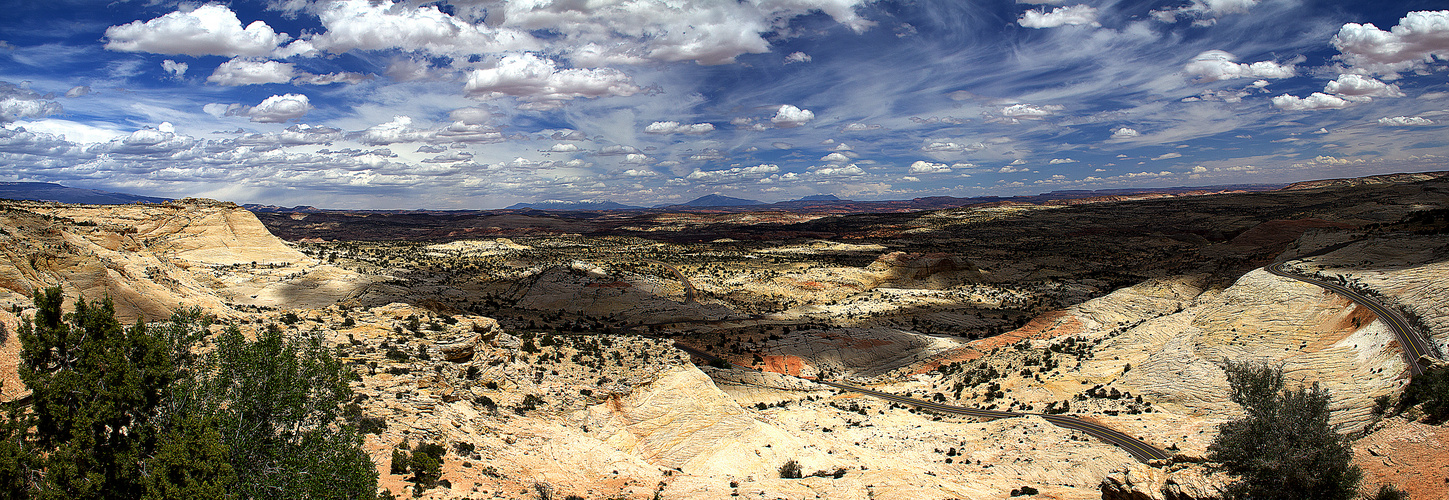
(118, 412)
(1284, 448)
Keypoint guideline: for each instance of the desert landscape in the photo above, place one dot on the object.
(629, 360)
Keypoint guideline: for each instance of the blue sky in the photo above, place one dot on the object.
(485, 103)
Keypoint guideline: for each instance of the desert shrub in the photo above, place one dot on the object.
(1387, 492)
(790, 470)
(1284, 448)
(1431, 389)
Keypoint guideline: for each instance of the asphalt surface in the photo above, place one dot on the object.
(1414, 345)
(1133, 446)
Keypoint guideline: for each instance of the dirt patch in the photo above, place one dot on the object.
(788, 365)
(1049, 325)
(1410, 455)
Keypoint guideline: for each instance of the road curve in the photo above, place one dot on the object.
(1414, 345)
(1137, 448)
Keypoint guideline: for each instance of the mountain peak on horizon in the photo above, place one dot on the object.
(819, 197)
(719, 200)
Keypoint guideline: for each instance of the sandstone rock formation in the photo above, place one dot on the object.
(151, 259)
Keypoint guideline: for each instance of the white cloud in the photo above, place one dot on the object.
(860, 127)
(672, 127)
(925, 167)
(790, 116)
(538, 80)
(951, 147)
(616, 150)
(177, 69)
(1010, 170)
(1214, 65)
(365, 25)
(400, 129)
(1168, 156)
(1415, 42)
(638, 31)
(330, 78)
(209, 30)
(1125, 133)
(836, 158)
(563, 148)
(1058, 161)
(1204, 12)
(797, 57)
(1075, 15)
(1031, 111)
(841, 147)
(1359, 85)
(1405, 121)
(280, 108)
(78, 91)
(733, 174)
(1321, 131)
(839, 171)
(244, 72)
(18, 103)
(1317, 100)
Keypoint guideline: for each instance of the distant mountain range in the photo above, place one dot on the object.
(49, 191)
(573, 205)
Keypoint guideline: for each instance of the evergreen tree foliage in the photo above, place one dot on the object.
(1431, 389)
(136, 412)
(1284, 448)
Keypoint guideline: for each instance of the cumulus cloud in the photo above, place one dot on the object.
(365, 25)
(790, 116)
(78, 91)
(563, 148)
(1058, 161)
(1317, 100)
(1405, 121)
(1359, 85)
(616, 150)
(1168, 156)
(1012, 170)
(733, 174)
(1125, 133)
(209, 30)
(298, 134)
(400, 129)
(835, 158)
(1204, 12)
(177, 69)
(860, 127)
(245, 72)
(797, 57)
(1075, 15)
(1414, 43)
(19, 103)
(280, 108)
(839, 171)
(925, 167)
(1031, 111)
(1214, 65)
(637, 31)
(539, 80)
(951, 147)
(672, 127)
(330, 78)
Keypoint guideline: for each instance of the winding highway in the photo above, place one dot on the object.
(1414, 346)
(1137, 448)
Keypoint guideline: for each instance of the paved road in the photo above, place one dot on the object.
(689, 293)
(1414, 345)
(1136, 447)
